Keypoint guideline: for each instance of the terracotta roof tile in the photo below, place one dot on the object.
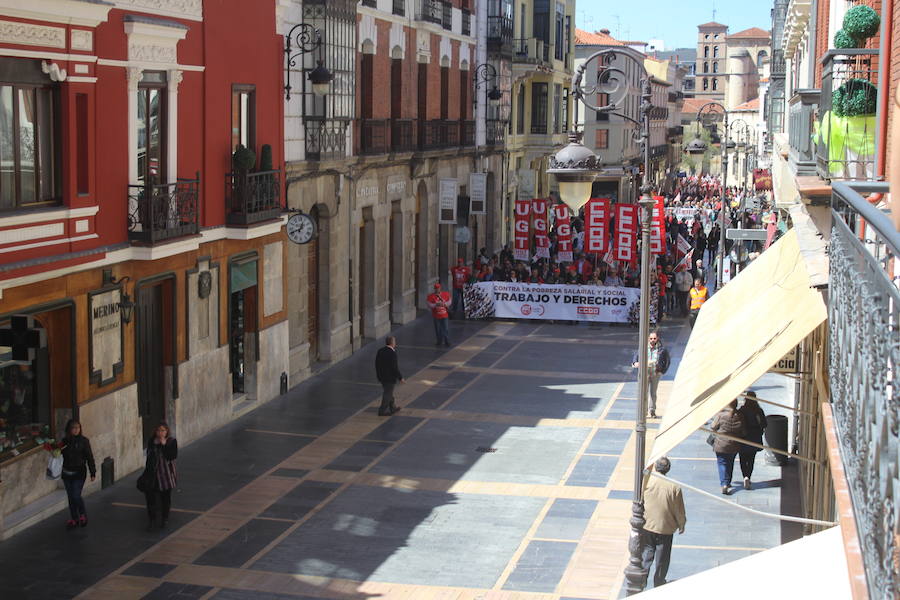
(713, 24)
(586, 38)
(752, 33)
(693, 105)
(750, 105)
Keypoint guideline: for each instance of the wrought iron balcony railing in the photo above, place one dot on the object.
(864, 323)
(373, 136)
(531, 50)
(436, 134)
(500, 34)
(403, 135)
(845, 136)
(326, 139)
(430, 11)
(467, 133)
(161, 212)
(446, 15)
(801, 117)
(466, 22)
(252, 198)
(495, 131)
(777, 66)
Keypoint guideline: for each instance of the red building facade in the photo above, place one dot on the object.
(140, 269)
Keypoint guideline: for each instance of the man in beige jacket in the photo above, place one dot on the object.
(663, 513)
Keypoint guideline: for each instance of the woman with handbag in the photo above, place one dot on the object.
(754, 424)
(77, 460)
(159, 477)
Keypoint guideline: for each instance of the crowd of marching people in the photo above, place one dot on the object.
(692, 233)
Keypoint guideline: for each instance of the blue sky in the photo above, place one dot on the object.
(674, 21)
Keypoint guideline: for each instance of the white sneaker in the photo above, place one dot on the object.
(746, 483)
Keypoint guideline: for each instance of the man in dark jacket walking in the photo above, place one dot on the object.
(657, 364)
(388, 372)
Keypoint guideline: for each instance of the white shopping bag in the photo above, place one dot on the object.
(54, 467)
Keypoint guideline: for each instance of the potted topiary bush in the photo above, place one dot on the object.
(849, 128)
(242, 161)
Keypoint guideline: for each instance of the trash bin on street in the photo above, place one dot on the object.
(776, 437)
(107, 472)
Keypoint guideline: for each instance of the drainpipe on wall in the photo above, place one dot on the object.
(884, 88)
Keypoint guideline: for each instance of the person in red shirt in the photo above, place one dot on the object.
(460, 274)
(663, 284)
(438, 302)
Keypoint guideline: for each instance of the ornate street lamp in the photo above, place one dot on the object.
(486, 74)
(575, 168)
(696, 146)
(307, 38)
(706, 110)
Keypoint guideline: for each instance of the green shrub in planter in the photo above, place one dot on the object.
(843, 40)
(243, 159)
(861, 22)
(854, 97)
(265, 158)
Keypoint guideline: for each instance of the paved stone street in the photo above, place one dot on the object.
(506, 475)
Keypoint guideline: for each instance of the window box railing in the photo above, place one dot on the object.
(466, 22)
(253, 198)
(430, 11)
(326, 139)
(777, 66)
(863, 319)
(399, 7)
(499, 34)
(403, 135)
(467, 133)
(845, 136)
(373, 136)
(495, 130)
(447, 15)
(801, 117)
(435, 134)
(531, 50)
(161, 212)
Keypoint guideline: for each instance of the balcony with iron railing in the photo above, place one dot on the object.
(466, 22)
(802, 110)
(403, 135)
(466, 133)
(252, 197)
(447, 15)
(430, 11)
(436, 134)
(531, 51)
(845, 135)
(500, 35)
(777, 66)
(374, 136)
(326, 139)
(162, 212)
(495, 132)
(864, 320)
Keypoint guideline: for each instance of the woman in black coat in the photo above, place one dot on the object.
(754, 425)
(77, 459)
(159, 477)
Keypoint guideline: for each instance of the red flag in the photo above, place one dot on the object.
(685, 262)
(626, 232)
(522, 239)
(596, 225)
(563, 233)
(658, 227)
(541, 237)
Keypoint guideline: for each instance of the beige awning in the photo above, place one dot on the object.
(744, 329)
(814, 566)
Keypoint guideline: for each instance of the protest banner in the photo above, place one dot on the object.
(522, 237)
(626, 232)
(563, 233)
(514, 300)
(596, 225)
(541, 228)
(658, 227)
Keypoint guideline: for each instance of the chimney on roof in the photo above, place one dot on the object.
(604, 31)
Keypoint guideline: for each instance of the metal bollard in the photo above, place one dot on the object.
(107, 472)
(284, 383)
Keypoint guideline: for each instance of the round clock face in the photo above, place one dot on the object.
(301, 228)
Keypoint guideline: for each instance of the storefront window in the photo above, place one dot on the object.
(24, 402)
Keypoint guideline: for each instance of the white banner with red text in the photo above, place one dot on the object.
(512, 300)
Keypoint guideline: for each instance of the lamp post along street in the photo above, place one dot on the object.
(720, 268)
(576, 167)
